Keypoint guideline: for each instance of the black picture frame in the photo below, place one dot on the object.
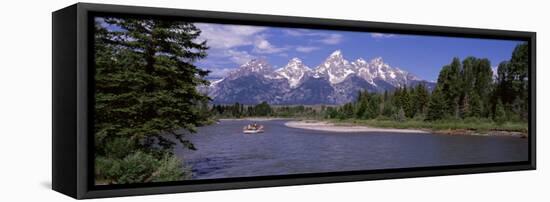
(72, 103)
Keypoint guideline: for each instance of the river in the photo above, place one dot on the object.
(223, 151)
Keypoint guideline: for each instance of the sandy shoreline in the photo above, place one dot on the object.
(338, 128)
(330, 127)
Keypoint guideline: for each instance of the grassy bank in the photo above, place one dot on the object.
(477, 125)
(469, 126)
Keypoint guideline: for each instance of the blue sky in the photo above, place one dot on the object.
(233, 45)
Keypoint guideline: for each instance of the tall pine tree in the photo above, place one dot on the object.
(512, 86)
(437, 106)
(145, 91)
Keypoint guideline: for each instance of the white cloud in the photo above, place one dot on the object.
(306, 49)
(239, 57)
(381, 35)
(262, 45)
(216, 72)
(283, 55)
(228, 36)
(226, 42)
(332, 39)
(297, 32)
(322, 37)
(226, 58)
(233, 45)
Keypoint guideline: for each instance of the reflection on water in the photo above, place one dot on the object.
(224, 151)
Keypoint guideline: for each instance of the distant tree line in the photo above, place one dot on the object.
(464, 89)
(401, 103)
(238, 110)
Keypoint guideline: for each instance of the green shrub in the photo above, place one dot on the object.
(118, 148)
(140, 167)
(400, 116)
(171, 169)
(419, 117)
(500, 113)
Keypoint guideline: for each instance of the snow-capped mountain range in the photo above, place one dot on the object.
(335, 81)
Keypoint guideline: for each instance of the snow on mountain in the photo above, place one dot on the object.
(363, 70)
(392, 75)
(255, 66)
(495, 72)
(380, 69)
(335, 81)
(215, 82)
(295, 71)
(377, 69)
(412, 77)
(335, 68)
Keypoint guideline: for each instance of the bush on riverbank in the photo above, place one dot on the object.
(140, 167)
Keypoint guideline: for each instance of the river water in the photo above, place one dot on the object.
(225, 152)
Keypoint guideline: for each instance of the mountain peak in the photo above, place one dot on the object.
(295, 63)
(255, 61)
(335, 68)
(412, 77)
(256, 65)
(361, 61)
(334, 81)
(294, 72)
(295, 60)
(377, 60)
(336, 53)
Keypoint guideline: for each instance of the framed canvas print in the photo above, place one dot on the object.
(155, 100)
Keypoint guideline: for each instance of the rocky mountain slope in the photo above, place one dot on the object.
(334, 81)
